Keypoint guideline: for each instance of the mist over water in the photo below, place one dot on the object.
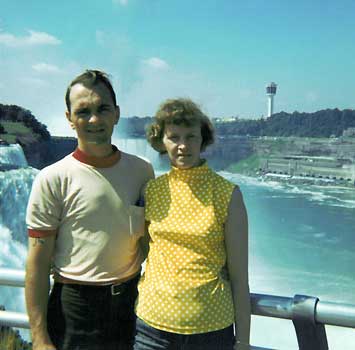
(301, 242)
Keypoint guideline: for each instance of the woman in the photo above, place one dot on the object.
(197, 225)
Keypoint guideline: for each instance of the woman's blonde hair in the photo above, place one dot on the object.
(180, 111)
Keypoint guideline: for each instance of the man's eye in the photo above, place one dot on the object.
(104, 109)
(82, 112)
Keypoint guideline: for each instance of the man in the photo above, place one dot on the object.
(84, 226)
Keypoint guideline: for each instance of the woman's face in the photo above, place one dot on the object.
(183, 144)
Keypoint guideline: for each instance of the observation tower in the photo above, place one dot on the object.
(270, 92)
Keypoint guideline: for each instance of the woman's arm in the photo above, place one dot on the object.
(236, 241)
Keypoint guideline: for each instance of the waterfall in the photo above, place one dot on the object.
(141, 148)
(15, 187)
(12, 157)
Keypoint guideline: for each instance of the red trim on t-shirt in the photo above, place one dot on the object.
(98, 162)
(41, 233)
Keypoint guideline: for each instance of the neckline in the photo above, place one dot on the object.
(98, 162)
(190, 173)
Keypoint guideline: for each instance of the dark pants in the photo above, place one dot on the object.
(82, 317)
(149, 338)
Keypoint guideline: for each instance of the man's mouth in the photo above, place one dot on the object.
(95, 131)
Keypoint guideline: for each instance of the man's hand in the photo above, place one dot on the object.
(43, 346)
(241, 346)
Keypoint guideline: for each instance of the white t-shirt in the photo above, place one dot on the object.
(94, 214)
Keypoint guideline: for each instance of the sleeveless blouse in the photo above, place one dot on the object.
(183, 289)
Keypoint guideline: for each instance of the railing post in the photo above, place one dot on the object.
(310, 334)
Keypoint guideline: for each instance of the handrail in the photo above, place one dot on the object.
(329, 313)
(304, 311)
(12, 277)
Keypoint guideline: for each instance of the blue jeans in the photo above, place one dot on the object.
(83, 317)
(149, 338)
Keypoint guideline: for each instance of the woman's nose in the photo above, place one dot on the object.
(182, 144)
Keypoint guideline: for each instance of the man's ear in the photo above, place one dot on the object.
(117, 113)
(67, 114)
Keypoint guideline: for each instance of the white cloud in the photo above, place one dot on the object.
(45, 68)
(156, 63)
(32, 39)
(120, 2)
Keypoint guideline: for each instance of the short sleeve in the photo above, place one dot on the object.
(44, 206)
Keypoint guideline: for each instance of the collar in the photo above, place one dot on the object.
(98, 162)
(190, 173)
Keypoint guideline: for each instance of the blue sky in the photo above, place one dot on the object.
(220, 53)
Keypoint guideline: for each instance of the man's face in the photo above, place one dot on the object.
(92, 114)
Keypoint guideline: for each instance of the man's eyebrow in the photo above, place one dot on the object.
(105, 105)
(81, 109)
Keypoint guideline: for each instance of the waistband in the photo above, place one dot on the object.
(113, 289)
(65, 280)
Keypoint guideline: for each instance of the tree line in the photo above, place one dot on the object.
(324, 123)
(15, 113)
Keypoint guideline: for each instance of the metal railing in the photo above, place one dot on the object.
(308, 314)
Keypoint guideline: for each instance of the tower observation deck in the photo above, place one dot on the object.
(271, 92)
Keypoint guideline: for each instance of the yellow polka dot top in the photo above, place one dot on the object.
(183, 290)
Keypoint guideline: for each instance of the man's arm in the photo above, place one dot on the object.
(37, 288)
(236, 240)
(144, 241)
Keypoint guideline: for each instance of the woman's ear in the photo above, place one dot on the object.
(160, 147)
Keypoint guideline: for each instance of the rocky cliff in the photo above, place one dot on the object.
(43, 153)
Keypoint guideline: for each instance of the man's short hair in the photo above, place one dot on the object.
(90, 78)
(180, 111)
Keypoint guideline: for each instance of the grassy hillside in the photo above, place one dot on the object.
(18, 130)
(246, 166)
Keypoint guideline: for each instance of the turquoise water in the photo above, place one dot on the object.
(301, 242)
(301, 238)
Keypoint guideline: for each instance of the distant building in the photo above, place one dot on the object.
(224, 120)
(349, 132)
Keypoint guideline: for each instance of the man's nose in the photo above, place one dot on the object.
(94, 118)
